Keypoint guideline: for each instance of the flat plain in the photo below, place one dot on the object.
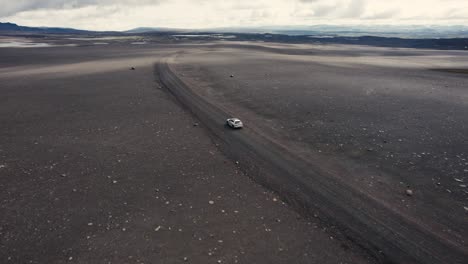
(350, 154)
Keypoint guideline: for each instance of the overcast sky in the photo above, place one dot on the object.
(127, 14)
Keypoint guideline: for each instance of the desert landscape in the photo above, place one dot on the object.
(115, 150)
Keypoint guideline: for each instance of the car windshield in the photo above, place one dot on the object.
(236, 122)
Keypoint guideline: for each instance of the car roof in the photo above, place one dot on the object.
(234, 119)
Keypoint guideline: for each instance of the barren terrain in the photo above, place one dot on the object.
(350, 154)
(375, 132)
(98, 164)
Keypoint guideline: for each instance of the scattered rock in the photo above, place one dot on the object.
(409, 192)
(211, 202)
(466, 208)
(232, 75)
(195, 124)
(132, 68)
(157, 229)
(185, 259)
(458, 180)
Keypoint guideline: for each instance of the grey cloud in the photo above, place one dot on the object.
(456, 13)
(355, 9)
(384, 15)
(13, 7)
(323, 10)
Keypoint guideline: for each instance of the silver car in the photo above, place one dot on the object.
(234, 122)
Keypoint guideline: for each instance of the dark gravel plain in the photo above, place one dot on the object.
(98, 164)
(391, 124)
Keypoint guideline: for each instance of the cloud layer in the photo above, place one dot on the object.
(126, 14)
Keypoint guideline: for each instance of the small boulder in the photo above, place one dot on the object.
(409, 192)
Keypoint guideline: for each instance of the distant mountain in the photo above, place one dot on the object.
(399, 31)
(160, 29)
(392, 31)
(141, 30)
(315, 31)
(11, 27)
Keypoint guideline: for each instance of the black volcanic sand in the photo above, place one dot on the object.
(461, 71)
(377, 119)
(100, 165)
